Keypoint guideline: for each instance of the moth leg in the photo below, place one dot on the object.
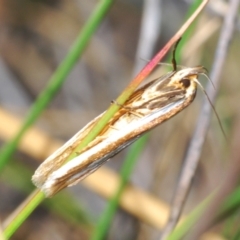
(131, 110)
(136, 114)
(121, 105)
(116, 103)
(114, 128)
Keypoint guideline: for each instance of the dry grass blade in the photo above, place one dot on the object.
(196, 144)
(229, 183)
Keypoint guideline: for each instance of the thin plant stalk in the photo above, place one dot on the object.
(191, 219)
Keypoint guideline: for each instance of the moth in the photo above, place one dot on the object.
(149, 106)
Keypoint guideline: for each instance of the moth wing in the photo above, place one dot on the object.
(80, 167)
(56, 160)
(89, 161)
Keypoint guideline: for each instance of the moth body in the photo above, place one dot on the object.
(147, 107)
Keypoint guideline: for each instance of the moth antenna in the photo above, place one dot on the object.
(212, 106)
(209, 79)
(174, 62)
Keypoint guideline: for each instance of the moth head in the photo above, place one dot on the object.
(187, 79)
